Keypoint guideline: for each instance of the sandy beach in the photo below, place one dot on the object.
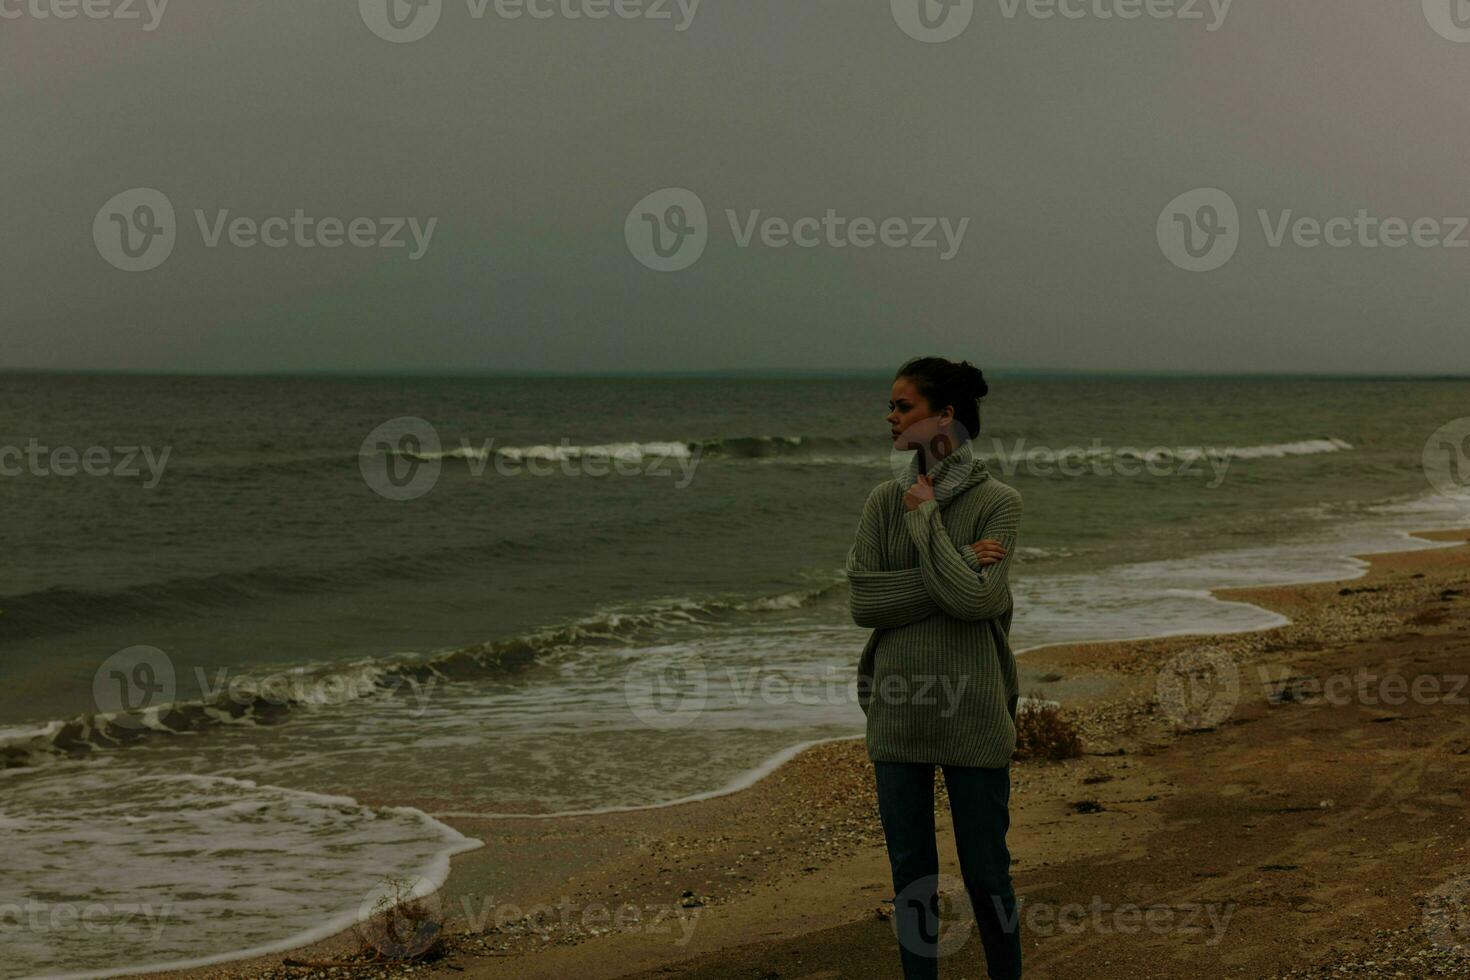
(1308, 821)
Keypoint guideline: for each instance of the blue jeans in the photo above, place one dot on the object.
(979, 802)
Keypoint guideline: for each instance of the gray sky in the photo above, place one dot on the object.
(529, 141)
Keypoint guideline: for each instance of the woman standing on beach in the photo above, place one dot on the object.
(937, 679)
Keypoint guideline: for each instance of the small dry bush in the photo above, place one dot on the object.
(1044, 731)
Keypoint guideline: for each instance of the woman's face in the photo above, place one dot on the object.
(911, 421)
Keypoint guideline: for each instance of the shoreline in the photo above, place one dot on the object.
(618, 853)
(744, 781)
(749, 777)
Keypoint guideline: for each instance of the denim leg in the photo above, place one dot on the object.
(979, 801)
(906, 806)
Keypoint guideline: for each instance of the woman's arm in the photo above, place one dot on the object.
(881, 599)
(957, 586)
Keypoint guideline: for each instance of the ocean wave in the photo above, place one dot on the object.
(479, 453)
(269, 700)
(1305, 447)
(60, 610)
(57, 610)
(1028, 555)
(1302, 447)
(807, 450)
(627, 451)
(858, 450)
(735, 447)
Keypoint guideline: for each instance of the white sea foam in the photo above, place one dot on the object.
(788, 450)
(629, 451)
(151, 867)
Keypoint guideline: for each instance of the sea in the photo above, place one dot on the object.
(261, 637)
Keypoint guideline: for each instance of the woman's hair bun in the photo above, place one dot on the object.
(972, 379)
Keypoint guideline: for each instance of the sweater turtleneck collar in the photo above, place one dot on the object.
(953, 475)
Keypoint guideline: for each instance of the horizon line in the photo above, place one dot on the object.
(714, 373)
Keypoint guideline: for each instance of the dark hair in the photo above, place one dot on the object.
(944, 382)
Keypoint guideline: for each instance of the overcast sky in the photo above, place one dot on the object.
(528, 142)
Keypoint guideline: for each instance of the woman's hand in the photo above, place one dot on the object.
(922, 490)
(988, 551)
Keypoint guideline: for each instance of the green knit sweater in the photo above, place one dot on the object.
(937, 678)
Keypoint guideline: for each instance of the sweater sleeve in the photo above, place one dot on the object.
(881, 599)
(958, 587)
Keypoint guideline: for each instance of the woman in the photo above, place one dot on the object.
(937, 679)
